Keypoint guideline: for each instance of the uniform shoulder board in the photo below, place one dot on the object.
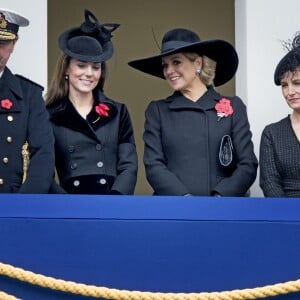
(29, 81)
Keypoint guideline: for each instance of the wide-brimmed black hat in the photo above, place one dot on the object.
(10, 21)
(290, 61)
(184, 40)
(90, 42)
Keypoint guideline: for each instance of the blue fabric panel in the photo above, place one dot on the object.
(165, 244)
(149, 207)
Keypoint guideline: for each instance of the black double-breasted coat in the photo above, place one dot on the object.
(182, 143)
(94, 155)
(25, 120)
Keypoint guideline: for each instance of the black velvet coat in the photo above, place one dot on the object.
(182, 141)
(26, 120)
(96, 155)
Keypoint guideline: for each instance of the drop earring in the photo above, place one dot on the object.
(67, 77)
(198, 71)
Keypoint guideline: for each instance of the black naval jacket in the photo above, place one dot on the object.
(26, 120)
(97, 155)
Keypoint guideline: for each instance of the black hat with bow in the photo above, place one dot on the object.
(90, 42)
(184, 40)
(291, 61)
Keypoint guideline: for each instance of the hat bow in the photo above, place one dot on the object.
(91, 25)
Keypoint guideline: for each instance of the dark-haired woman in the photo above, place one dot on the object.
(280, 141)
(95, 150)
(197, 142)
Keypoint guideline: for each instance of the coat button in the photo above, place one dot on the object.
(76, 182)
(99, 164)
(71, 148)
(98, 147)
(10, 118)
(9, 139)
(102, 181)
(1, 181)
(5, 160)
(73, 165)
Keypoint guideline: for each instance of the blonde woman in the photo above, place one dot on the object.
(197, 142)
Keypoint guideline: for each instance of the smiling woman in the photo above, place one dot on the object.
(94, 141)
(197, 142)
(83, 78)
(280, 141)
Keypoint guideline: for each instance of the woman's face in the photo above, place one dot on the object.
(290, 86)
(180, 72)
(83, 76)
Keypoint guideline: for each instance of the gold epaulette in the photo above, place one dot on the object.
(26, 157)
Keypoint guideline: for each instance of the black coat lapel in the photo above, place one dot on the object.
(64, 114)
(206, 102)
(97, 121)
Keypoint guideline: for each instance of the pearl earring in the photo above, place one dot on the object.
(67, 77)
(198, 71)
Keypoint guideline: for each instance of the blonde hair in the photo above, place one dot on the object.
(208, 70)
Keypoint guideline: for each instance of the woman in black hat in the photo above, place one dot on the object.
(197, 142)
(94, 140)
(280, 141)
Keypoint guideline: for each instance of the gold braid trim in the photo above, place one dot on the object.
(25, 156)
(114, 294)
(4, 35)
(4, 296)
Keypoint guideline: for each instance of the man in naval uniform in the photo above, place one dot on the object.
(26, 138)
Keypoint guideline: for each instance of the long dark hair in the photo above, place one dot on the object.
(59, 85)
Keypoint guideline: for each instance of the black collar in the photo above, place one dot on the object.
(63, 113)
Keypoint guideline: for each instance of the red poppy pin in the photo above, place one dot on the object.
(6, 103)
(223, 108)
(101, 110)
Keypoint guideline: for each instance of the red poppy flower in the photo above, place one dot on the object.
(223, 108)
(102, 110)
(6, 103)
